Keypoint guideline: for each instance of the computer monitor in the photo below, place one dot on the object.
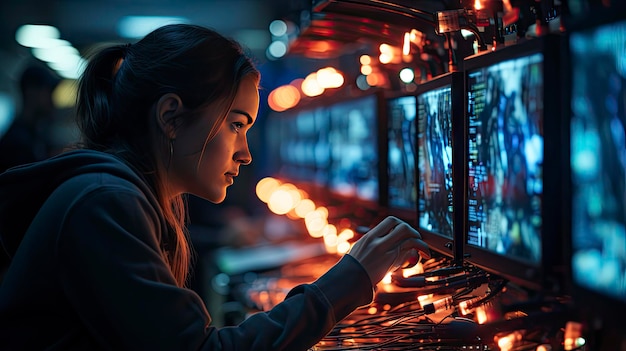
(400, 190)
(515, 166)
(596, 105)
(298, 146)
(353, 139)
(440, 163)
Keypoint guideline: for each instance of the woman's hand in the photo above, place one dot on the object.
(387, 247)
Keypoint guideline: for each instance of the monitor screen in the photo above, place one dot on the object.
(598, 161)
(353, 141)
(401, 134)
(440, 146)
(505, 149)
(298, 145)
(511, 106)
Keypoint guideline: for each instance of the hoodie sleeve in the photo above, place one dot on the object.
(123, 291)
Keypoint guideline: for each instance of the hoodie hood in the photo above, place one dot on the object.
(24, 189)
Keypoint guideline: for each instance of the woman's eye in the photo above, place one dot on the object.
(238, 125)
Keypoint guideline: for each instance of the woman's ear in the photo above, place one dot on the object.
(168, 108)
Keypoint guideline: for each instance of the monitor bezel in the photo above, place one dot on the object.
(450, 247)
(547, 275)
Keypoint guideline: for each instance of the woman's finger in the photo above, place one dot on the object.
(384, 227)
(408, 238)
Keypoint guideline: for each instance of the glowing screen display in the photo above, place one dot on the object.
(435, 161)
(505, 158)
(598, 159)
(401, 132)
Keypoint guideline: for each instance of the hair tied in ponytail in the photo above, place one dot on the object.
(119, 62)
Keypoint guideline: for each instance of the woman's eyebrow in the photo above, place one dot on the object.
(245, 114)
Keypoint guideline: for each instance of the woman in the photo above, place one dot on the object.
(97, 238)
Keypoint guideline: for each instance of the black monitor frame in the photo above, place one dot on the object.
(448, 245)
(547, 274)
(592, 304)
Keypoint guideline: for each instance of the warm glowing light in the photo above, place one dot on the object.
(372, 310)
(466, 307)
(375, 79)
(417, 269)
(477, 5)
(365, 60)
(481, 315)
(346, 234)
(387, 53)
(280, 202)
(573, 339)
(297, 83)
(283, 97)
(385, 58)
(265, 187)
(330, 238)
(329, 78)
(507, 342)
(406, 44)
(315, 221)
(366, 70)
(423, 298)
(310, 86)
(290, 95)
(343, 247)
(320, 46)
(296, 197)
(292, 215)
(64, 95)
(304, 207)
(387, 278)
(331, 230)
(323, 211)
(385, 48)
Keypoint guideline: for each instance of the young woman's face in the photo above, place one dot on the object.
(207, 170)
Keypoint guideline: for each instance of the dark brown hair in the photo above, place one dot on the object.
(121, 84)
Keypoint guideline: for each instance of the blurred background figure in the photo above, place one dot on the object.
(28, 138)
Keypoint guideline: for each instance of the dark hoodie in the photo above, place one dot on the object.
(87, 271)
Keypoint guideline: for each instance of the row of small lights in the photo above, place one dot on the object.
(284, 198)
(288, 96)
(316, 83)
